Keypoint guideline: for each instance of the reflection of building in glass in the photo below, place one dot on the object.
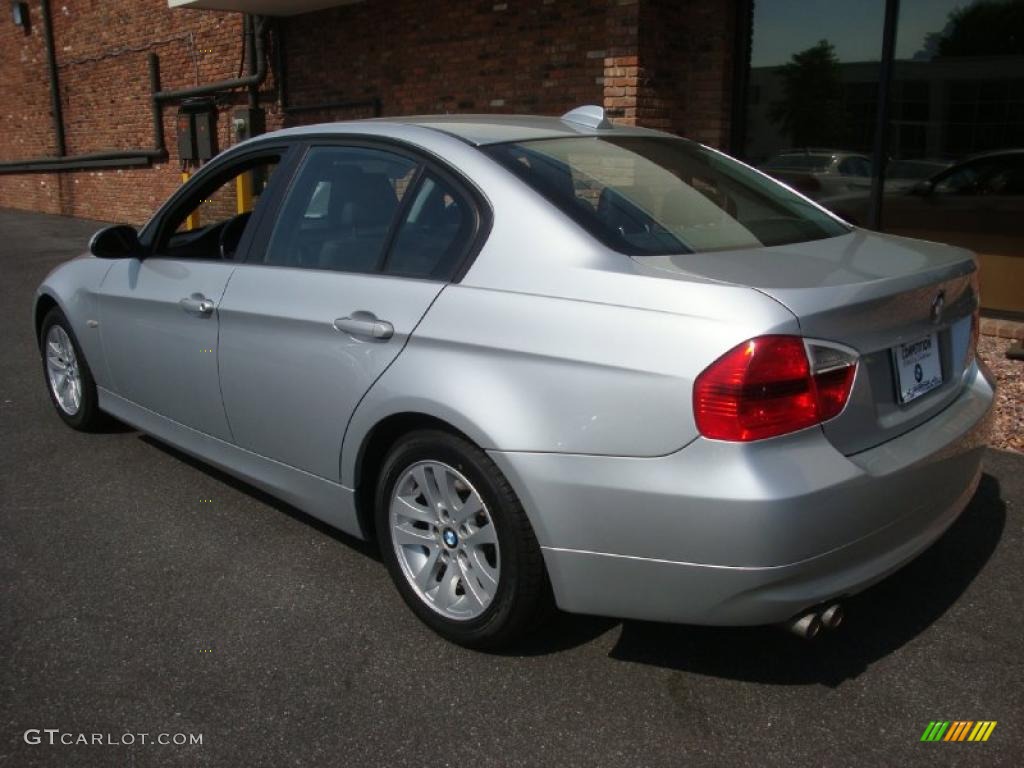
(942, 109)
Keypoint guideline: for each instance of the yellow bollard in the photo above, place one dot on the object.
(192, 220)
(243, 192)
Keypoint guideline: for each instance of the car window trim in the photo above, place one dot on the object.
(426, 161)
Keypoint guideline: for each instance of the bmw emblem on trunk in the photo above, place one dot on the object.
(937, 306)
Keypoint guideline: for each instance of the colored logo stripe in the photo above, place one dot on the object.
(958, 730)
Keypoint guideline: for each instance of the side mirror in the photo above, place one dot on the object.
(922, 188)
(117, 242)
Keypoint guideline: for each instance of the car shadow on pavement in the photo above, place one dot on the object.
(878, 621)
(366, 548)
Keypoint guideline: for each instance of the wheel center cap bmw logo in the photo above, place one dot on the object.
(450, 539)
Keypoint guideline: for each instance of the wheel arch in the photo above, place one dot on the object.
(375, 445)
(44, 302)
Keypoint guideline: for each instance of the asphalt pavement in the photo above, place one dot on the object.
(144, 593)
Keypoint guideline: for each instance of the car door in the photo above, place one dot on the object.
(366, 239)
(158, 315)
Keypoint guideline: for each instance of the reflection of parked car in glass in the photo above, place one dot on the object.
(903, 174)
(820, 172)
(977, 204)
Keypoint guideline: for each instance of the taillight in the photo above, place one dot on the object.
(770, 386)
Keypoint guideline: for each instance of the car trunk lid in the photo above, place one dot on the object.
(874, 293)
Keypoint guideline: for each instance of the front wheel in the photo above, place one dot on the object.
(457, 542)
(68, 378)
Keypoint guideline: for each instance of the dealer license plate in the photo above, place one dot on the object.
(918, 368)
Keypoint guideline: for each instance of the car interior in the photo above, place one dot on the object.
(207, 225)
(340, 217)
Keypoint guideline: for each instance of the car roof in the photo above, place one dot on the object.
(477, 130)
(991, 154)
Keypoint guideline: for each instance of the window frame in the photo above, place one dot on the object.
(425, 161)
(210, 177)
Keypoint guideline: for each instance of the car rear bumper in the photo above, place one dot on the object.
(740, 534)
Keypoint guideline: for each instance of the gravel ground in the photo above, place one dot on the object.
(1008, 431)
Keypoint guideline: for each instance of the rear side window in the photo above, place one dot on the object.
(437, 229)
(646, 196)
(341, 209)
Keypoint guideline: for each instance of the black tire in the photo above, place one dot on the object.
(523, 595)
(88, 417)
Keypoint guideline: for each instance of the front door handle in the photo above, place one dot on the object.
(197, 304)
(365, 325)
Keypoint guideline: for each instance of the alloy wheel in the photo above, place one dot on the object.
(62, 370)
(444, 539)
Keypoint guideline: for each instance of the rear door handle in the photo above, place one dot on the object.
(365, 325)
(197, 304)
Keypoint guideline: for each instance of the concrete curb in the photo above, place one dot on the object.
(1004, 329)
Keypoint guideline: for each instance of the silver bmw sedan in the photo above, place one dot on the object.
(543, 362)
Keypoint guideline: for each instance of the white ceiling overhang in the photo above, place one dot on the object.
(261, 7)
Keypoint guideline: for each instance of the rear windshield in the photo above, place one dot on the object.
(650, 196)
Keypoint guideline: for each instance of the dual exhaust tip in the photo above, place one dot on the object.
(809, 625)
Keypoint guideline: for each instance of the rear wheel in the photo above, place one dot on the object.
(457, 542)
(68, 378)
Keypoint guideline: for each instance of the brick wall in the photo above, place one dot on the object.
(686, 68)
(433, 57)
(652, 62)
(104, 77)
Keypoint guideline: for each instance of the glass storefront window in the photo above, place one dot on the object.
(958, 108)
(813, 88)
(954, 165)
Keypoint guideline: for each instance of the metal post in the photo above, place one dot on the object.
(881, 148)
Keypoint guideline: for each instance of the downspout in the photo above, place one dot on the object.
(251, 59)
(51, 65)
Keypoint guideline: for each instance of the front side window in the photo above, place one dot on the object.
(340, 210)
(209, 224)
(646, 196)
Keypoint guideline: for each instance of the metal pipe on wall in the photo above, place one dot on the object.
(114, 159)
(135, 157)
(253, 80)
(51, 65)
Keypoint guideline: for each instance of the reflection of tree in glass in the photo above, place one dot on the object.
(986, 28)
(811, 109)
(983, 28)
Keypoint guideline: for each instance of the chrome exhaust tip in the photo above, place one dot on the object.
(806, 627)
(832, 616)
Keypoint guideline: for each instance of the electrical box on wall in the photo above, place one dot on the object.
(197, 130)
(246, 122)
(186, 137)
(206, 134)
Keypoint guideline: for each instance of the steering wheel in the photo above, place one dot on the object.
(231, 235)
